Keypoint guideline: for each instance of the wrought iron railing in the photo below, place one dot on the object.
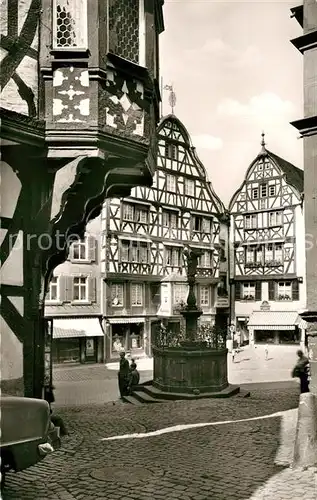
(211, 337)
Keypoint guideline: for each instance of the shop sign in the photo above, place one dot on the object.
(265, 306)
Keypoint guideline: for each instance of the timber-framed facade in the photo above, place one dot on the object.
(78, 125)
(267, 238)
(142, 262)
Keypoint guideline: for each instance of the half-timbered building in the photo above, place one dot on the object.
(72, 303)
(268, 251)
(143, 240)
(79, 111)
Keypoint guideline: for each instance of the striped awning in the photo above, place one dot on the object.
(275, 320)
(76, 327)
(124, 321)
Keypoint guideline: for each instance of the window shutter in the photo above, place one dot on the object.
(133, 294)
(271, 290)
(258, 290)
(62, 288)
(92, 296)
(237, 290)
(295, 290)
(91, 242)
(69, 290)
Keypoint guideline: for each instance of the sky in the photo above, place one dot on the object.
(235, 74)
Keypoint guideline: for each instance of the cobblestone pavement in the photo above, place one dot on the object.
(240, 461)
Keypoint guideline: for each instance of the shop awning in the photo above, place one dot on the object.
(124, 321)
(76, 327)
(275, 320)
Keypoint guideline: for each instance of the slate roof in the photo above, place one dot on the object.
(294, 175)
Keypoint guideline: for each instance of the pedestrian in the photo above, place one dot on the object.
(123, 375)
(233, 353)
(301, 370)
(134, 377)
(266, 351)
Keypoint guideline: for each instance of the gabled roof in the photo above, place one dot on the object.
(294, 175)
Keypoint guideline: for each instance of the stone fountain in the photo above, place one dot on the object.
(192, 368)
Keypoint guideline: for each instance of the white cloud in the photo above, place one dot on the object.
(230, 56)
(206, 141)
(266, 107)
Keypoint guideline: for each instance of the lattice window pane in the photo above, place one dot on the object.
(124, 29)
(70, 24)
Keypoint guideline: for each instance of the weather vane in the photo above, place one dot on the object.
(171, 97)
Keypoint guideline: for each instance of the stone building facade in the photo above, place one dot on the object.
(306, 15)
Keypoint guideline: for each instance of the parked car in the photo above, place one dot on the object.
(27, 433)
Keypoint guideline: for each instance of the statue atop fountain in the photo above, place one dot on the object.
(191, 313)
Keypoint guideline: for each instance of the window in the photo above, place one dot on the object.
(250, 255)
(278, 253)
(171, 183)
(169, 219)
(117, 294)
(180, 293)
(141, 215)
(70, 24)
(255, 193)
(136, 294)
(128, 212)
(269, 253)
(205, 259)
(170, 151)
(53, 291)
(259, 254)
(272, 190)
(134, 251)
(263, 191)
(250, 221)
(125, 251)
(206, 225)
(275, 218)
(204, 295)
(126, 37)
(80, 289)
(197, 223)
(79, 250)
(248, 291)
(189, 187)
(134, 213)
(284, 290)
(173, 257)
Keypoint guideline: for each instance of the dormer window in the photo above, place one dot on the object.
(127, 30)
(70, 24)
(255, 193)
(272, 190)
(263, 190)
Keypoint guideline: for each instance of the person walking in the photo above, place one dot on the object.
(233, 353)
(123, 375)
(266, 352)
(301, 370)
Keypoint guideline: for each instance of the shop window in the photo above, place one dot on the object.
(53, 291)
(136, 294)
(70, 24)
(80, 288)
